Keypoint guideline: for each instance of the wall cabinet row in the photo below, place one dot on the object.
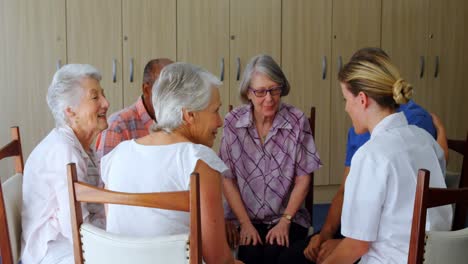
(311, 39)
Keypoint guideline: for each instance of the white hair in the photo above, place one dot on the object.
(180, 86)
(66, 91)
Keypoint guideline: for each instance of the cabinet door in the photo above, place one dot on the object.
(255, 29)
(356, 24)
(32, 44)
(447, 80)
(149, 32)
(203, 39)
(94, 36)
(405, 39)
(305, 56)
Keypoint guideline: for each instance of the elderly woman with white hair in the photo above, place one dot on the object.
(79, 107)
(186, 101)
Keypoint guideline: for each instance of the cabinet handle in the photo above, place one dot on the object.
(238, 69)
(421, 67)
(340, 63)
(436, 72)
(131, 70)
(324, 67)
(59, 64)
(221, 75)
(114, 70)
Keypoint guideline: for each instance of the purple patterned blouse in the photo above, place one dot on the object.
(265, 173)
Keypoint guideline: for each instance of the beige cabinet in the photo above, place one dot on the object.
(222, 36)
(255, 28)
(306, 61)
(318, 37)
(33, 45)
(203, 39)
(94, 36)
(428, 40)
(149, 32)
(119, 37)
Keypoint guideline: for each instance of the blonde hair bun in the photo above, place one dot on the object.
(402, 91)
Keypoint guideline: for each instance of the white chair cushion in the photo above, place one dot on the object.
(102, 247)
(13, 196)
(448, 247)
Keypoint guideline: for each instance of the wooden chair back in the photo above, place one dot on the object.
(187, 201)
(461, 210)
(12, 149)
(427, 198)
(309, 202)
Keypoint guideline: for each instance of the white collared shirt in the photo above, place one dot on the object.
(45, 212)
(381, 185)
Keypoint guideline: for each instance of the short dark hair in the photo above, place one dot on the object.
(148, 76)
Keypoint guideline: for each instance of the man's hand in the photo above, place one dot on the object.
(280, 233)
(327, 248)
(313, 248)
(232, 234)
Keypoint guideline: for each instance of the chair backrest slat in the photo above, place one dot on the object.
(178, 201)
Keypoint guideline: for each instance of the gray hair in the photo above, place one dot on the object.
(263, 64)
(66, 91)
(180, 86)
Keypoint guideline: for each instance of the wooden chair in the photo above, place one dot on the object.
(461, 210)
(309, 202)
(447, 247)
(11, 201)
(97, 246)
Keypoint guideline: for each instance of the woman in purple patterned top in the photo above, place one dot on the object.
(270, 151)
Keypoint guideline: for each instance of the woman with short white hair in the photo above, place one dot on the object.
(186, 101)
(79, 107)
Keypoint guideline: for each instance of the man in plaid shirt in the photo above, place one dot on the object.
(135, 120)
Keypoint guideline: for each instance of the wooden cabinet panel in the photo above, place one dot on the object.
(447, 48)
(404, 38)
(435, 31)
(33, 41)
(305, 56)
(255, 28)
(447, 69)
(94, 36)
(149, 32)
(356, 24)
(203, 39)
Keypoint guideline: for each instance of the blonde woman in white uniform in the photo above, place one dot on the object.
(380, 188)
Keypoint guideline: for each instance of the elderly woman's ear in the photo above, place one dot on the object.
(188, 117)
(69, 113)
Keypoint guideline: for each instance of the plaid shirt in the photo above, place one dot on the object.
(128, 123)
(265, 173)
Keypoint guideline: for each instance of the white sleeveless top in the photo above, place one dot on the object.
(132, 167)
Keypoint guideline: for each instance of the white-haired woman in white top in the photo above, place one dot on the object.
(77, 102)
(186, 102)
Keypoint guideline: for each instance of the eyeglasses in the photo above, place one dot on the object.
(263, 92)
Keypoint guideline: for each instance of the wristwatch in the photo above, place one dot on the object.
(287, 216)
